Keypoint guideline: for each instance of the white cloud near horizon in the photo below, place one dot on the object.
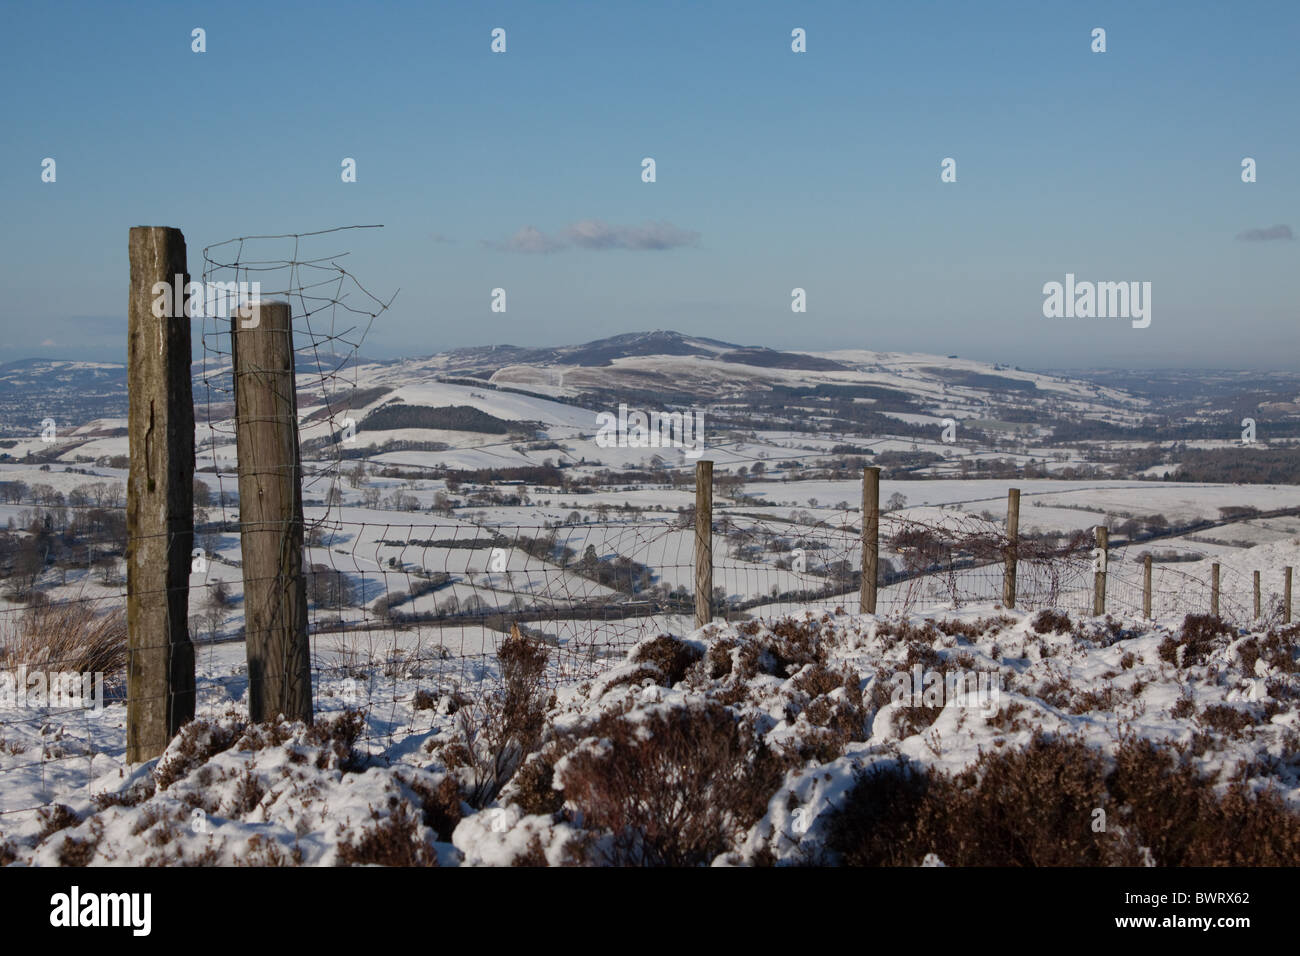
(597, 234)
(527, 240)
(1261, 235)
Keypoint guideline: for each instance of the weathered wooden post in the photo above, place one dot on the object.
(1013, 547)
(1214, 589)
(1146, 587)
(160, 496)
(1100, 557)
(870, 539)
(1286, 595)
(703, 543)
(270, 513)
(1257, 595)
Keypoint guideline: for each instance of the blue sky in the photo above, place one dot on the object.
(774, 169)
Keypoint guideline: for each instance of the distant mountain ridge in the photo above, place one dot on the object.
(652, 366)
(750, 384)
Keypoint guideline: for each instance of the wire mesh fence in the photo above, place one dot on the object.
(332, 313)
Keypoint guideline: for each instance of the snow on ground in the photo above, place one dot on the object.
(301, 794)
(344, 789)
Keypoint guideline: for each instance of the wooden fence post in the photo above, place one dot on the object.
(160, 498)
(703, 543)
(1099, 570)
(1257, 595)
(270, 513)
(1013, 547)
(1286, 596)
(870, 540)
(1214, 589)
(1146, 587)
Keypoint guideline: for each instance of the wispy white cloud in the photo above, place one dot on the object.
(1262, 235)
(528, 240)
(597, 234)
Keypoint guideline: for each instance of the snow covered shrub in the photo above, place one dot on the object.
(395, 840)
(77, 852)
(1034, 807)
(198, 741)
(337, 738)
(440, 802)
(914, 718)
(670, 787)
(887, 815)
(424, 700)
(1008, 718)
(1278, 649)
(836, 717)
(202, 739)
(534, 855)
(1038, 806)
(1200, 636)
(817, 679)
(1030, 807)
(797, 642)
(669, 656)
(717, 660)
(55, 818)
(903, 630)
(1176, 811)
(1226, 719)
(132, 796)
(248, 793)
(524, 699)
(1052, 622)
(496, 732)
(533, 786)
(979, 628)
